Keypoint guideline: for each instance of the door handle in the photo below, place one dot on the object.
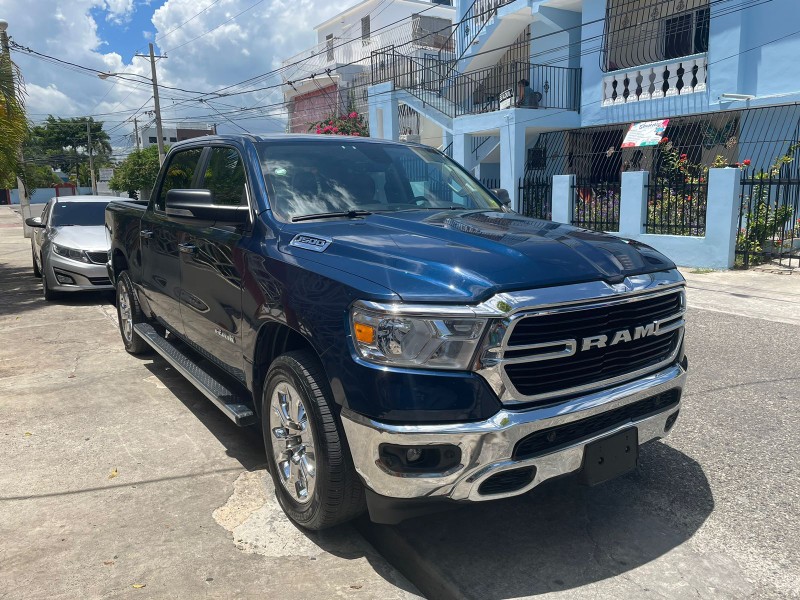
(146, 233)
(187, 248)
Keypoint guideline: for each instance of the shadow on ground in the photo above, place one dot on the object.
(22, 292)
(562, 535)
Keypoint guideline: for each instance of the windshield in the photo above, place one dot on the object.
(78, 213)
(315, 177)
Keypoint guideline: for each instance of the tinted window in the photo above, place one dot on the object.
(179, 174)
(225, 177)
(319, 176)
(78, 213)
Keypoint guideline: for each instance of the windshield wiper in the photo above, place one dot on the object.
(350, 214)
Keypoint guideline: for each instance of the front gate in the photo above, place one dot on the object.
(769, 218)
(535, 197)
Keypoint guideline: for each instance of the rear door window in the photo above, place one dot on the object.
(179, 174)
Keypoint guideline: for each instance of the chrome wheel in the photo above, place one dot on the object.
(125, 312)
(292, 442)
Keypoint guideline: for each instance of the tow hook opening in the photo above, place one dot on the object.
(507, 481)
(437, 458)
(671, 421)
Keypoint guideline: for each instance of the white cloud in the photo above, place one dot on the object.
(249, 45)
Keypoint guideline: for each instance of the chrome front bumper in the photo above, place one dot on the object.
(487, 446)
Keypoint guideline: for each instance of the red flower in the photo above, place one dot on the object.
(746, 162)
(355, 133)
(684, 156)
(702, 180)
(335, 129)
(736, 165)
(664, 140)
(353, 115)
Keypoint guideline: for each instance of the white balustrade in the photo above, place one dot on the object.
(666, 79)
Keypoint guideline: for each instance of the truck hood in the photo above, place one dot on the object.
(82, 237)
(466, 256)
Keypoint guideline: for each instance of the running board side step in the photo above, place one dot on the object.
(228, 401)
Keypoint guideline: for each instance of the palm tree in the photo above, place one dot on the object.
(13, 124)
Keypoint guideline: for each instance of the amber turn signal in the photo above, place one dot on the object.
(364, 333)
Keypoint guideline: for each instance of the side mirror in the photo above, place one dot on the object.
(35, 222)
(502, 196)
(188, 205)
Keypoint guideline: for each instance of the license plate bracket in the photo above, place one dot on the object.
(610, 457)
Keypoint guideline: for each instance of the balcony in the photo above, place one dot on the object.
(454, 94)
(665, 79)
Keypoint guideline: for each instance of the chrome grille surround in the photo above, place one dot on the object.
(595, 295)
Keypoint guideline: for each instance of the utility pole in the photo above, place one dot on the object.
(159, 131)
(91, 158)
(24, 201)
(136, 131)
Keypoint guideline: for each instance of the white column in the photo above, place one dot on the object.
(461, 149)
(512, 158)
(563, 194)
(633, 203)
(722, 216)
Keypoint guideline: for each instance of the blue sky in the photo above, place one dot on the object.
(127, 37)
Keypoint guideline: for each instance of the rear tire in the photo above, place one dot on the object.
(315, 481)
(129, 314)
(37, 272)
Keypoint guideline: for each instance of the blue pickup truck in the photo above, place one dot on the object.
(403, 339)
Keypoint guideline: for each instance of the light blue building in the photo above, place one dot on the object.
(527, 89)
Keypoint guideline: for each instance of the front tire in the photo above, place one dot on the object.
(129, 314)
(37, 272)
(49, 295)
(315, 481)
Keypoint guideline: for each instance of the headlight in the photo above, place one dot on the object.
(416, 341)
(70, 253)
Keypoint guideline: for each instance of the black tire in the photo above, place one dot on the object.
(37, 272)
(337, 495)
(129, 313)
(48, 294)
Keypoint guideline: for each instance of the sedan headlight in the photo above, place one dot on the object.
(405, 340)
(71, 253)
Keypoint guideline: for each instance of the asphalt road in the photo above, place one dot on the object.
(115, 473)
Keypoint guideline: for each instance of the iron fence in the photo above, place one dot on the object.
(596, 205)
(492, 183)
(535, 194)
(769, 218)
(676, 205)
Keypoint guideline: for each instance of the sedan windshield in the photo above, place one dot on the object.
(78, 213)
(343, 175)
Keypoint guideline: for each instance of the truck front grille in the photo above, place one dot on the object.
(658, 318)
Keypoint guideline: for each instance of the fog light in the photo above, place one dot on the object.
(65, 279)
(413, 454)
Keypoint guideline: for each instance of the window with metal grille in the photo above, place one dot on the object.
(365, 30)
(329, 46)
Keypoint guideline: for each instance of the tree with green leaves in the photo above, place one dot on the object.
(63, 144)
(137, 172)
(13, 124)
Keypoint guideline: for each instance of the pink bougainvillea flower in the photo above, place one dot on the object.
(664, 140)
(353, 115)
(684, 156)
(355, 133)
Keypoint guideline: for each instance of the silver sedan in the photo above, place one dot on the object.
(70, 246)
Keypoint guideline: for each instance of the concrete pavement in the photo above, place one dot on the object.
(115, 472)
